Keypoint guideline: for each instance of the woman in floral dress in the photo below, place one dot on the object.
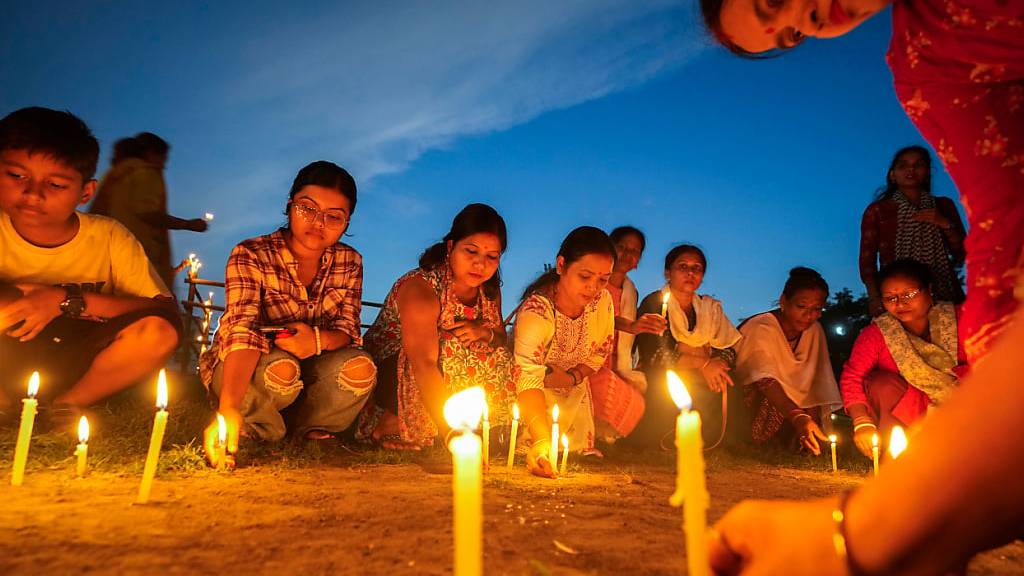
(440, 331)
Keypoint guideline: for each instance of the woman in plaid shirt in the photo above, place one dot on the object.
(285, 356)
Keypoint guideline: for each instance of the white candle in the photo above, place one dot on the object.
(463, 411)
(486, 430)
(156, 439)
(874, 452)
(82, 451)
(691, 491)
(832, 440)
(565, 454)
(28, 419)
(222, 441)
(664, 302)
(512, 438)
(553, 452)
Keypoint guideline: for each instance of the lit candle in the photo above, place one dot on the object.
(691, 491)
(664, 302)
(874, 452)
(222, 441)
(553, 452)
(512, 439)
(193, 265)
(463, 411)
(897, 442)
(832, 440)
(156, 439)
(486, 430)
(28, 419)
(565, 454)
(82, 451)
(208, 216)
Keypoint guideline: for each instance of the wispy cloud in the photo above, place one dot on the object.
(378, 84)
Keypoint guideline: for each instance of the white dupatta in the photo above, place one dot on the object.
(713, 327)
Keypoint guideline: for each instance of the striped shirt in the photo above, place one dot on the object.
(262, 288)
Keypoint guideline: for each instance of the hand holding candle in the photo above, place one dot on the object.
(463, 411)
(82, 451)
(28, 418)
(512, 437)
(156, 439)
(691, 491)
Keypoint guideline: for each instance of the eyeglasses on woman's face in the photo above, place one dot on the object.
(333, 219)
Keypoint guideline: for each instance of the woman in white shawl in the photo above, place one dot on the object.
(698, 346)
(783, 365)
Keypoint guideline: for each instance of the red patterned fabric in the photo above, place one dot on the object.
(958, 68)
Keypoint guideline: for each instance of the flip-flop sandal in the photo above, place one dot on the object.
(319, 435)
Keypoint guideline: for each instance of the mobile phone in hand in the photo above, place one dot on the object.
(277, 331)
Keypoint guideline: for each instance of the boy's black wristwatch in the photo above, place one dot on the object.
(73, 304)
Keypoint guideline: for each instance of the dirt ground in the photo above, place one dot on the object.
(357, 518)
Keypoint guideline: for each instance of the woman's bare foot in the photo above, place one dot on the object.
(388, 434)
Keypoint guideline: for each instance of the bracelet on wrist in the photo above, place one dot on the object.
(796, 413)
(857, 427)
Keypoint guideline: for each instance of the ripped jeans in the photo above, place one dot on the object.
(323, 392)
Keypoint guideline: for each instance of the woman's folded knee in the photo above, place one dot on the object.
(154, 333)
(357, 374)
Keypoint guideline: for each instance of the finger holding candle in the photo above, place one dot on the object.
(155, 440)
(463, 412)
(28, 418)
(512, 436)
(82, 451)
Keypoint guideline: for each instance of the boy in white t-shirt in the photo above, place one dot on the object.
(79, 300)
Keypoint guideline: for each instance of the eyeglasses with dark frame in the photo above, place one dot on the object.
(906, 297)
(333, 220)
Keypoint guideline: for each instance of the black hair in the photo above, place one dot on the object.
(803, 278)
(473, 219)
(328, 175)
(906, 268)
(123, 149)
(622, 231)
(579, 243)
(147, 143)
(890, 187)
(681, 249)
(58, 134)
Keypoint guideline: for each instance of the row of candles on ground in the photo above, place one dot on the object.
(897, 445)
(28, 415)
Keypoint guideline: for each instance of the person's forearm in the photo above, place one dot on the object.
(109, 306)
(956, 490)
(162, 220)
(238, 370)
(431, 384)
(624, 324)
(534, 408)
(778, 398)
(334, 339)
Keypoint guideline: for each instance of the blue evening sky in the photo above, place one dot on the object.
(560, 114)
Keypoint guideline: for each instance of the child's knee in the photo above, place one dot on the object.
(357, 374)
(155, 334)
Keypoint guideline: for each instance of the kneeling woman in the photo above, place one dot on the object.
(905, 360)
(290, 328)
(783, 364)
(698, 347)
(441, 331)
(565, 329)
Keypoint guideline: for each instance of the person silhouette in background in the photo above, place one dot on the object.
(134, 193)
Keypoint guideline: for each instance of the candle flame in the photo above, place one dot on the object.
(464, 409)
(222, 429)
(554, 413)
(665, 296)
(565, 442)
(515, 411)
(678, 391)
(897, 442)
(874, 440)
(209, 216)
(832, 438)
(161, 390)
(33, 385)
(83, 429)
